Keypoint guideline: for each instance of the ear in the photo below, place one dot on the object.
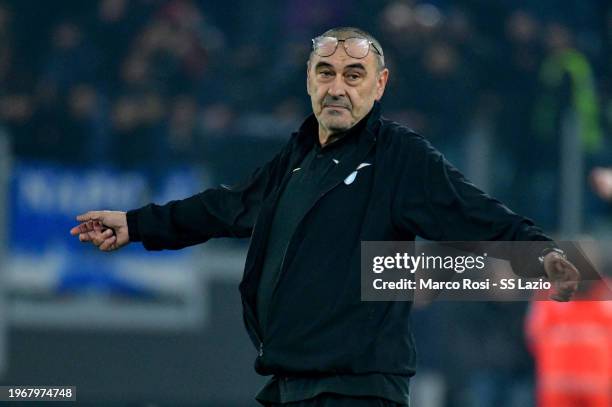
(308, 77)
(381, 83)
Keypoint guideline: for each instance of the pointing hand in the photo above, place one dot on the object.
(107, 230)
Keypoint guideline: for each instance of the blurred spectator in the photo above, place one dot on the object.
(138, 130)
(177, 45)
(568, 82)
(114, 23)
(444, 91)
(566, 102)
(601, 180)
(16, 112)
(302, 18)
(184, 138)
(87, 123)
(519, 59)
(71, 58)
(572, 346)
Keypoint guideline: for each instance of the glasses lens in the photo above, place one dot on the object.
(357, 47)
(325, 46)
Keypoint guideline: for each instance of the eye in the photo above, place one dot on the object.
(326, 74)
(353, 76)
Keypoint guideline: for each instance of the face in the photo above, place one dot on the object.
(343, 89)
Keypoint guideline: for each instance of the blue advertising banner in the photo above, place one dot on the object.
(50, 269)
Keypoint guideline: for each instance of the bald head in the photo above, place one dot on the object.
(342, 33)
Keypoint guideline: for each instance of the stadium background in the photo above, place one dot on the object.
(113, 103)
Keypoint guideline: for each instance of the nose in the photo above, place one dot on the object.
(337, 88)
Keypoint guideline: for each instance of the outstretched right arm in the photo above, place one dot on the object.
(216, 212)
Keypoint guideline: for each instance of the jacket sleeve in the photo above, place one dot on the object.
(217, 212)
(436, 202)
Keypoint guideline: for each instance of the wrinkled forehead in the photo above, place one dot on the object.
(340, 60)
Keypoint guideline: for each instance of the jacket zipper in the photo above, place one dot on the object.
(259, 339)
(293, 234)
(260, 353)
(289, 244)
(255, 321)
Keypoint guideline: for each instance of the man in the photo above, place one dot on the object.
(346, 176)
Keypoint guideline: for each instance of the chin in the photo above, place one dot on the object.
(336, 126)
(337, 123)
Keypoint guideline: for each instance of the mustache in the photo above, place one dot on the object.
(336, 101)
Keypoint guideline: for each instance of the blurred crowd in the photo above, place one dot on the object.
(159, 83)
(156, 82)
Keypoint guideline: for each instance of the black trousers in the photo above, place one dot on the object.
(339, 400)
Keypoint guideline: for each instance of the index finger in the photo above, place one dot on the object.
(76, 230)
(82, 228)
(91, 215)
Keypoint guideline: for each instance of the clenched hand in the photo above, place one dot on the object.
(563, 276)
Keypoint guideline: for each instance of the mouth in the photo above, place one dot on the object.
(335, 107)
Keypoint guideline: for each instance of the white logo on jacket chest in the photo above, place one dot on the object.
(353, 175)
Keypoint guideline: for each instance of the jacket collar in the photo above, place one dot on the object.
(308, 135)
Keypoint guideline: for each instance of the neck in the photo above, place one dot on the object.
(326, 137)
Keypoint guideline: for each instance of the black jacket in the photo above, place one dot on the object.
(317, 323)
